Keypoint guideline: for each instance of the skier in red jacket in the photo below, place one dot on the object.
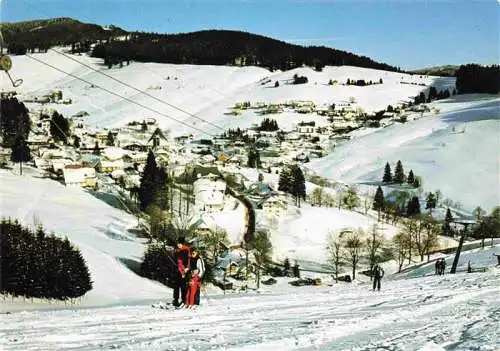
(197, 270)
(182, 256)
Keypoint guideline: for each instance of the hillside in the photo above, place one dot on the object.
(223, 47)
(442, 148)
(443, 71)
(41, 35)
(96, 228)
(451, 312)
(207, 91)
(212, 47)
(211, 91)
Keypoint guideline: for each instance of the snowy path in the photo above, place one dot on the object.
(459, 312)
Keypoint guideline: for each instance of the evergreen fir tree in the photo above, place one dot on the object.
(447, 223)
(378, 201)
(285, 180)
(258, 163)
(14, 121)
(76, 141)
(253, 158)
(159, 264)
(110, 140)
(149, 181)
(298, 184)
(413, 207)
(399, 174)
(411, 178)
(97, 150)
(59, 128)
(430, 202)
(387, 174)
(286, 266)
(162, 190)
(417, 182)
(40, 266)
(250, 159)
(20, 151)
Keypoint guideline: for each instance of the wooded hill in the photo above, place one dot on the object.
(216, 47)
(443, 71)
(224, 47)
(41, 35)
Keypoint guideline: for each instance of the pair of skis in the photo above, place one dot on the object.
(170, 306)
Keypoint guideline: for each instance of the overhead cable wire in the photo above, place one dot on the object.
(120, 96)
(134, 88)
(138, 90)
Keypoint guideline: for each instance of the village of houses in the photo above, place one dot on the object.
(111, 159)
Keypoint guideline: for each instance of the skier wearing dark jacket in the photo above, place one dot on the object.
(378, 274)
(181, 256)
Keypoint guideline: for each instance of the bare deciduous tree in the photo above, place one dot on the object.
(336, 255)
(158, 221)
(214, 240)
(401, 243)
(409, 228)
(373, 245)
(368, 202)
(317, 196)
(354, 248)
(262, 250)
(431, 239)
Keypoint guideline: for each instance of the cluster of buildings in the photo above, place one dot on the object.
(118, 155)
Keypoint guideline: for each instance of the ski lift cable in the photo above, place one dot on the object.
(120, 96)
(134, 88)
(138, 90)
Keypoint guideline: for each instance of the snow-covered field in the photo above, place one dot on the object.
(433, 146)
(416, 311)
(96, 228)
(464, 166)
(304, 236)
(451, 312)
(207, 91)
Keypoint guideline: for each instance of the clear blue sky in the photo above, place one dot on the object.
(406, 33)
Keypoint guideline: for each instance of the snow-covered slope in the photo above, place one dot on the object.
(451, 312)
(464, 166)
(304, 236)
(207, 91)
(96, 228)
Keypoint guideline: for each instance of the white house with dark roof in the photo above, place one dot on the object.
(209, 194)
(80, 175)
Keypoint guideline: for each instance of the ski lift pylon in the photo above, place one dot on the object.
(6, 65)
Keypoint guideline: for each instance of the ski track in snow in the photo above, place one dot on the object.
(458, 312)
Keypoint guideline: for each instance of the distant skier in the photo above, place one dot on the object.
(437, 266)
(181, 255)
(378, 274)
(195, 280)
(443, 266)
(296, 270)
(286, 267)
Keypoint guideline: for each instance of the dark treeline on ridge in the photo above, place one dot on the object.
(215, 47)
(40, 35)
(474, 78)
(223, 47)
